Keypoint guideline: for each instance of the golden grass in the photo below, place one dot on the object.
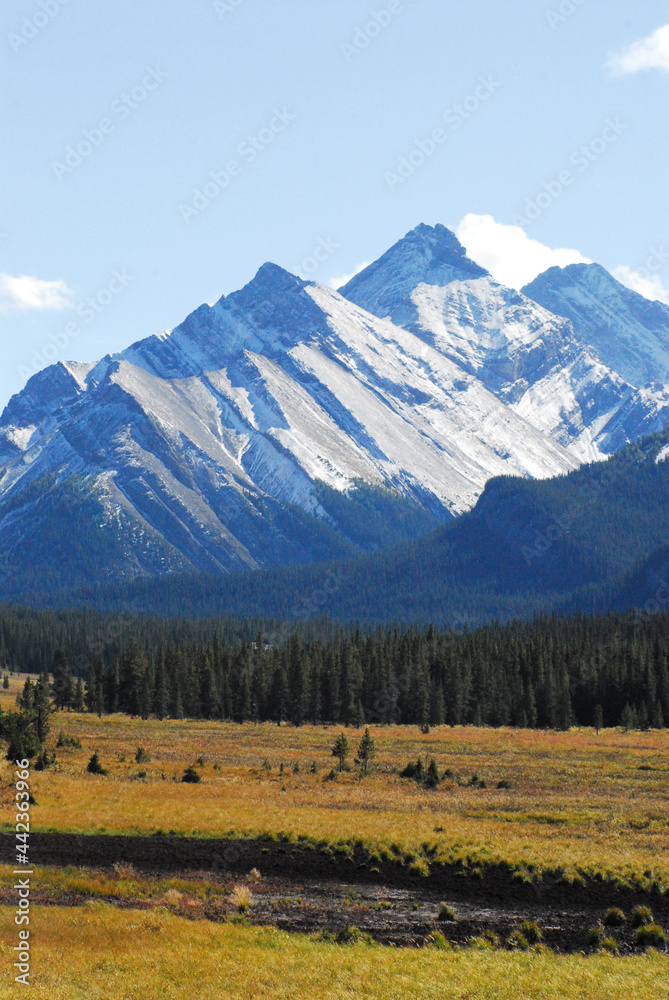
(16, 682)
(578, 800)
(102, 953)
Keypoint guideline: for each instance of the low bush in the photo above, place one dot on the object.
(518, 941)
(642, 915)
(446, 913)
(651, 936)
(530, 931)
(614, 917)
(190, 776)
(596, 936)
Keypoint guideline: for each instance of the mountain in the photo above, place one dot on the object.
(543, 361)
(289, 424)
(591, 541)
(629, 332)
(281, 425)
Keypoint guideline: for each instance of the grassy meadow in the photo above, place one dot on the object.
(99, 952)
(577, 801)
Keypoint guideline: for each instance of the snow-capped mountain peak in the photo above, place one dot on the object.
(629, 332)
(430, 255)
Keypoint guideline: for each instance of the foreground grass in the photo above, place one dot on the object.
(577, 800)
(100, 952)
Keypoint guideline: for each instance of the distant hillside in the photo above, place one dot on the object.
(591, 540)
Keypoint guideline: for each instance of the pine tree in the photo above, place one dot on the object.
(340, 750)
(599, 718)
(63, 681)
(78, 697)
(366, 751)
(42, 708)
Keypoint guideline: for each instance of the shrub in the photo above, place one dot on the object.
(124, 869)
(504, 783)
(348, 935)
(173, 897)
(614, 917)
(190, 776)
(642, 915)
(67, 741)
(651, 936)
(141, 756)
(200, 761)
(432, 775)
(610, 945)
(412, 770)
(241, 897)
(94, 766)
(518, 941)
(596, 935)
(485, 941)
(445, 912)
(437, 940)
(530, 931)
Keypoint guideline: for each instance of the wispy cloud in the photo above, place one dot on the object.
(648, 285)
(512, 257)
(647, 53)
(26, 292)
(345, 278)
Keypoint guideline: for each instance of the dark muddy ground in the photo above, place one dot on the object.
(305, 890)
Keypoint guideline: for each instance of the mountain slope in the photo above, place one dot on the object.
(594, 540)
(545, 368)
(629, 332)
(220, 443)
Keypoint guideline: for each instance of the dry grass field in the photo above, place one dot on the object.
(101, 953)
(577, 800)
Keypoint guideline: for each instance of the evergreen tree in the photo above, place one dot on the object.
(42, 708)
(340, 750)
(63, 681)
(366, 751)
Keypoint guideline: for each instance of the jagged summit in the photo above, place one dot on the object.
(430, 255)
(242, 437)
(629, 332)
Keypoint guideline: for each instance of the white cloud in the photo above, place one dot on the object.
(26, 292)
(512, 257)
(345, 278)
(648, 285)
(647, 53)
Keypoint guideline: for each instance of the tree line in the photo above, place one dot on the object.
(549, 673)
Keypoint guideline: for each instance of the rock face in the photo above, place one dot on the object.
(546, 352)
(292, 423)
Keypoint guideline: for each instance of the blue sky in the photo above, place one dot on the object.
(156, 154)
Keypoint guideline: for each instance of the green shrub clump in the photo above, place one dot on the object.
(614, 917)
(642, 915)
